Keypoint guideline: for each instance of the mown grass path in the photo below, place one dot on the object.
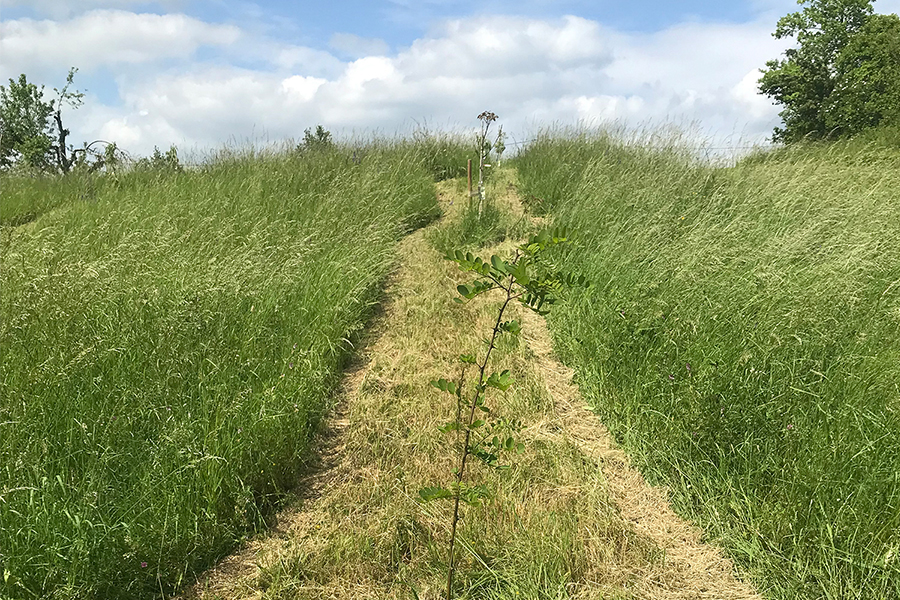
(572, 518)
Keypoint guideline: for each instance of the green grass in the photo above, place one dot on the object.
(549, 529)
(166, 349)
(470, 230)
(444, 153)
(25, 197)
(742, 339)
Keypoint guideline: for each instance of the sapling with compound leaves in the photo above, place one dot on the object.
(530, 279)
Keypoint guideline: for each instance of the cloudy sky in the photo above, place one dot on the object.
(203, 73)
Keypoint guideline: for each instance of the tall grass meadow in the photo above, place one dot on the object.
(742, 339)
(167, 348)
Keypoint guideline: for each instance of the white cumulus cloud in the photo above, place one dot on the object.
(60, 9)
(528, 71)
(106, 37)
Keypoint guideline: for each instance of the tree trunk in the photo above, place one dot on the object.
(62, 158)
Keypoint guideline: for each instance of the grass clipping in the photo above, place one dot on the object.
(569, 520)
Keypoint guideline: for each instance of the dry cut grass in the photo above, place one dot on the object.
(570, 519)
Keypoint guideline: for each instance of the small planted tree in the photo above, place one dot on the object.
(482, 435)
(484, 148)
(500, 144)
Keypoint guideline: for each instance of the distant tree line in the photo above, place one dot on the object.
(844, 76)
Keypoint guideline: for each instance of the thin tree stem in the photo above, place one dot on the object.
(465, 452)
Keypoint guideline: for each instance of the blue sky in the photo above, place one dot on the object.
(208, 72)
(399, 22)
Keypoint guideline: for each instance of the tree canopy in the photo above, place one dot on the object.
(843, 77)
(24, 124)
(868, 86)
(31, 128)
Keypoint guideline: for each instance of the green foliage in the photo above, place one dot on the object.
(31, 129)
(26, 196)
(741, 341)
(316, 141)
(499, 146)
(868, 83)
(159, 162)
(563, 156)
(843, 76)
(530, 279)
(166, 351)
(25, 133)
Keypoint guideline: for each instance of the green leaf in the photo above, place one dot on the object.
(500, 381)
(434, 493)
(473, 495)
(467, 358)
(488, 458)
(477, 424)
(463, 290)
(512, 327)
(451, 426)
(499, 264)
(520, 448)
(444, 385)
(521, 275)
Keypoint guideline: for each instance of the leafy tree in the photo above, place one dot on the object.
(867, 93)
(803, 82)
(318, 140)
(31, 129)
(24, 124)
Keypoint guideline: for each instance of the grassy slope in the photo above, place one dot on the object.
(167, 346)
(24, 198)
(743, 340)
(549, 530)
